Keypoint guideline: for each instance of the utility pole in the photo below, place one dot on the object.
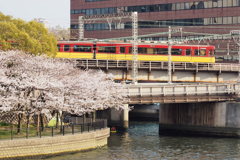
(236, 37)
(81, 28)
(116, 17)
(169, 55)
(135, 47)
(170, 43)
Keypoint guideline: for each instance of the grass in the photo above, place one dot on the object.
(8, 132)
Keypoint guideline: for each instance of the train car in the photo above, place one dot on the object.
(146, 51)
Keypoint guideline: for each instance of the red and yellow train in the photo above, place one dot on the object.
(146, 51)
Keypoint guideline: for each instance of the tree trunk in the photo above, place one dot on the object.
(28, 121)
(57, 120)
(41, 121)
(38, 123)
(19, 125)
(61, 122)
(94, 116)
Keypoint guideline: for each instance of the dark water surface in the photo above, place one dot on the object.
(142, 142)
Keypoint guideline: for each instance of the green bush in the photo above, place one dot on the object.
(31, 37)
(4, 124)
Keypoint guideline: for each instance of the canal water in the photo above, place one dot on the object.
(142, 142)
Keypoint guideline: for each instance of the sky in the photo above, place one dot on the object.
(54, 12)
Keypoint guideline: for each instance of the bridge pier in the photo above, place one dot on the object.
(116, 118)
(207, 119)
(126, 116)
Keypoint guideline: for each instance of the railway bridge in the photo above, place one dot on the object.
(150, 71)
(206, 106)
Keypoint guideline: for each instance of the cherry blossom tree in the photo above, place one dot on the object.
(34, 85)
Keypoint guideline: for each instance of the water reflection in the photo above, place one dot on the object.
(142, 142)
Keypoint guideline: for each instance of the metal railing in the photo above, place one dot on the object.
(107, 64)
(12, 132)
(182, 93)
(181, 89)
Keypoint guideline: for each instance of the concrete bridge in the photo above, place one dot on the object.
(198, 109)
(203, 109)
(148, 93)
(158, 71)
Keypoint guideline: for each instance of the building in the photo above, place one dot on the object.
(198, 18)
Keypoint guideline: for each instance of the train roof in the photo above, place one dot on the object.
(127, 43)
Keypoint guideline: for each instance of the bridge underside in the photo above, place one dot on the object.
(208, 119)
(180, 99)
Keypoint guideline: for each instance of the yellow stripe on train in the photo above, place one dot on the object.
(74, 55)
(140, 57)
(156, 58)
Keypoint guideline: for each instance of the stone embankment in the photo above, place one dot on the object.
(53, 145)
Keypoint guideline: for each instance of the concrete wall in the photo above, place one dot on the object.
(200, 118)
(53, 145)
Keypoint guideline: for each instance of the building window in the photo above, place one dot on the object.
(158, 24)
(94, 0)
(159, 7)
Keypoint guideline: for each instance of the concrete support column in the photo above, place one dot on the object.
(126, 116)
(209, 119)
(116, 118)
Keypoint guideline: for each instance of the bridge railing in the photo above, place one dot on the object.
(94, 63)
(182, 89)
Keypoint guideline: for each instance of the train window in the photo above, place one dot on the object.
(188, 52)
(79, 48)
(130, 50)
(202, 52)
(142, 50)
(58, 47)
(196, 52)
(122, 49)
(150, 51)
(211, 52)
(176, 51)
(161, 51)
(106, 49)
(66, 48)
